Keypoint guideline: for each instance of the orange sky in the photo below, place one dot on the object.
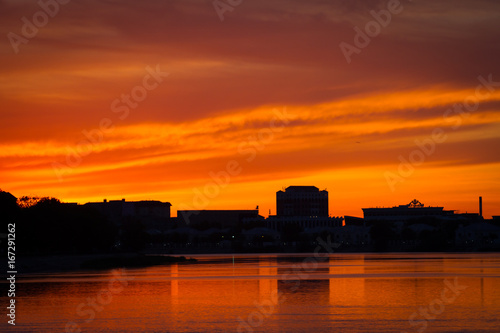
(266, 92)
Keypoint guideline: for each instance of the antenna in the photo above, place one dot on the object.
(480, 206)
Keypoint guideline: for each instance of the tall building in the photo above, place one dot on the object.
(302, 201)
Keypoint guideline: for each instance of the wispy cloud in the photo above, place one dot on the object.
(225, 80)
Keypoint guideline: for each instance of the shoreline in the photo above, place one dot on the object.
(73, 263)
(94, 262)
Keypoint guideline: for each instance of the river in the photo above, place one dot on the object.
(396, 292)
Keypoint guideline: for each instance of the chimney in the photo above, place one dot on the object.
(480, 206)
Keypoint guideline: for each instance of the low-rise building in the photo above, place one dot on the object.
(205, 219)
(412, 211)
(153, 214)
(478, 235)
(277, 223)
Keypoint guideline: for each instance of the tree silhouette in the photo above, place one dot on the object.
(52, 227)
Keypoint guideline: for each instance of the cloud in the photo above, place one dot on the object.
(225, 79)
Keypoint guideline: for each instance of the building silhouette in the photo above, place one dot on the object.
(413, 210)
(205, 219)
(303, 206)
(302, 201)
(153, 214)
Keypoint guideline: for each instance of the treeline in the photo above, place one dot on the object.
(47, 226)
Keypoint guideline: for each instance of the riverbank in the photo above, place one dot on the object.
(63, 263)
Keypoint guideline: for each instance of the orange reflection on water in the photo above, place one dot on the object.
(268, 282)
(174, 284)
(348, 293)
(347, 282)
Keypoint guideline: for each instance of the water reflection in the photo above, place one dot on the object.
(348, 293)
(347, 282)
(268, 279)
(174, 283)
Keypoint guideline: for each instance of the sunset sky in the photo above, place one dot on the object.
(268, 92)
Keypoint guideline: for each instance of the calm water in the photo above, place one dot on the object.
(272, 293)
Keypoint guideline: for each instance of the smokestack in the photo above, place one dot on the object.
(480, 206)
